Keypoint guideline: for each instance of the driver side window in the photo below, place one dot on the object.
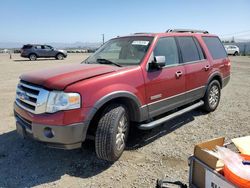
(167, 47)
(47, 47)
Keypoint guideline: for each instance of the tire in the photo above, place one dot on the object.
(236, 53)
(59, 56)
(212, 96)
(112, 132)
(33, 57)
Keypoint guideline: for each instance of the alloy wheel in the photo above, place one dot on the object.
(214, 95)
(121, 132)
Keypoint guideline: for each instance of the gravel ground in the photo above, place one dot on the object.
(159, 153)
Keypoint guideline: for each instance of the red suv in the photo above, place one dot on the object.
(136, 78)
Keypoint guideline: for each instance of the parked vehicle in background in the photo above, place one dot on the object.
(232, 50)
(139, 78)
(5, 51)
(34, 51)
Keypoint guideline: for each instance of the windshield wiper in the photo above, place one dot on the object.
(106, 61)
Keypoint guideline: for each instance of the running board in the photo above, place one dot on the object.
(158, 122)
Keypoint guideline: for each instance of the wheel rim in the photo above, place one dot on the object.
(121, 132)
(60, 57)
(214, 95)
(33, 57)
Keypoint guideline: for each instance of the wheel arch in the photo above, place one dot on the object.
(59, 53)
(33, 53)
(125, 98)
(215, 76)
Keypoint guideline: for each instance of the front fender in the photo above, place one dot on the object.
(117, 94)
(137, 111)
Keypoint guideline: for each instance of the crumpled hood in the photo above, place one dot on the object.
(60, 77)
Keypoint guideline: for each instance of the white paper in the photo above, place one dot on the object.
(140, 42)
(213, 181)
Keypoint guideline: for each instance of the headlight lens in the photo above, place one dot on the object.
(59, 100)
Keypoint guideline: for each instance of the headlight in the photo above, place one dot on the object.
(59, 100)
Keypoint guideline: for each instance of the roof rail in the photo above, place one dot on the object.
(142, 33)
(186, 31)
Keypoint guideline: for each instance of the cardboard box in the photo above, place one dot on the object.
(206, 168)
(199, 172)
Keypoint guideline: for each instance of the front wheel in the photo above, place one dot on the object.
(112, 132)
(59, 56)
(212, 96)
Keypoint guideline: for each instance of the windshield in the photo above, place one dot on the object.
(122, 51)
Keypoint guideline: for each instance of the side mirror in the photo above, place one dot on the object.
(158, 62)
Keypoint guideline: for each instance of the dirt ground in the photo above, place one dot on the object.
(159, 153)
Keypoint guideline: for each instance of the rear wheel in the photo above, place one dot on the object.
(236, 53)
(59, 56)
(212, 96)
(112, 132)
(32, 57)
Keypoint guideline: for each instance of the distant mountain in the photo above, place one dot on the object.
(54, 44)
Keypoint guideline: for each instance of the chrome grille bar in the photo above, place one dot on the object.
(29, 94)
(31, 98)
(29, 86)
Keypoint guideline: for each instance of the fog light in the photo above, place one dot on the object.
(48, 132)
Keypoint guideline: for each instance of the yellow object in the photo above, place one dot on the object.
(243, 144)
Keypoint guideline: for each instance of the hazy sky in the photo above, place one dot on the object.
(85, 21)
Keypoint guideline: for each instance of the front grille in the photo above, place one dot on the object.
(31, 97)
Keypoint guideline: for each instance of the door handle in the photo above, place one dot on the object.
(178, 74)
(207, 67)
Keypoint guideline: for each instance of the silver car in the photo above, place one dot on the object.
(34, 51)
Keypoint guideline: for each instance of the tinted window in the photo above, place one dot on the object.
(167, 47)
(47, 47)
(201, 54)
(38, 47)
(215, 47)
(188, 48)
(27, 47)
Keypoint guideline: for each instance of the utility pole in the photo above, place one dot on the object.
(233, 41)
(102, 38)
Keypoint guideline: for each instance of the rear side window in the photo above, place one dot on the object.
(167, 47)
(27, 47)
(188, 49)
(215, 47)
(201, 53)
(38, 47)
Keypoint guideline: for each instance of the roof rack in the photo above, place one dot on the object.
(140, 33)
(186, 31)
